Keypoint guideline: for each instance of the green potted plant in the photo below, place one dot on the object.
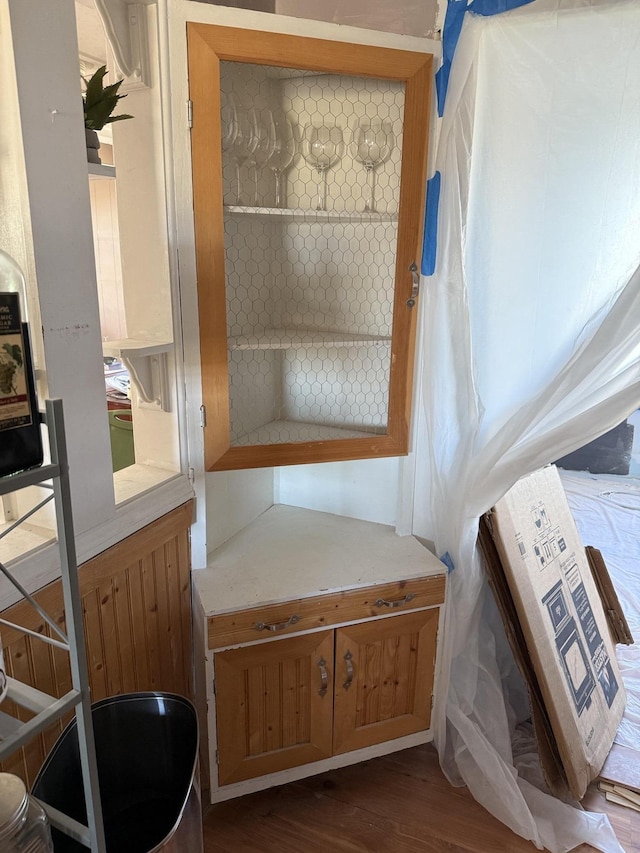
(99, 101)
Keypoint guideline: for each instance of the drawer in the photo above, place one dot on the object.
(320, 611)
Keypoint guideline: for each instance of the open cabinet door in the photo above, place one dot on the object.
(309, 173)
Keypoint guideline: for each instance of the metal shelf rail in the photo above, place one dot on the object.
(15, 733)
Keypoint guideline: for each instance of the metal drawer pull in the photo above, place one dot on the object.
(382, 602)
(324, 676)
(347, 659)
(277, 626)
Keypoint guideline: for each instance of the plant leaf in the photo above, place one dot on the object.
(99, 101)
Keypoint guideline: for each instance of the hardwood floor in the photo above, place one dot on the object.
(399, 803)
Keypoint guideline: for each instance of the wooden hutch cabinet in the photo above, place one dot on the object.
(309, 172)
(318, 638)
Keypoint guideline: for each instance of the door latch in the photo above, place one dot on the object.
(415, 288)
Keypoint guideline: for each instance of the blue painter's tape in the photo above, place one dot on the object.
(454, 18)
(446, 559)
(450, 34)
(430, 236)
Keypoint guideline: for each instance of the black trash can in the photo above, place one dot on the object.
(147, 756)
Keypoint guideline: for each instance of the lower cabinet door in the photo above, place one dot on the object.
(275, 705)
(384, 679)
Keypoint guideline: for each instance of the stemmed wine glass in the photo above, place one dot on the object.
(371, 145)
(284, 149)
(322, 147)
(265, 149)
(227, 120)
(228, 128)
(244, 144)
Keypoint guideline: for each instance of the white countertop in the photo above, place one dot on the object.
(289, 553)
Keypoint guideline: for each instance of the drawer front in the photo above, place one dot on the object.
(321, 611)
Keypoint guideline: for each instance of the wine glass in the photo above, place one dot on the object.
(228, 130)
(371, 145)
(228, 126)
(265, 148)
(284, 149)
(244, 144)
(322, 147)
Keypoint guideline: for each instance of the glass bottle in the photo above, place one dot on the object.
(24, 827)
(20, 436)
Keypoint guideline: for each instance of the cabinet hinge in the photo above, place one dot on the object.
(214, 687)
(190, 113)
(203, 416)
(217, 757)
(191, 474)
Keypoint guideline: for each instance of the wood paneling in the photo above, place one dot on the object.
(324, 610)
(388, 694)
(137, 618)
(271, 715)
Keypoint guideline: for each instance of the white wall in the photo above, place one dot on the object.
(406, 17)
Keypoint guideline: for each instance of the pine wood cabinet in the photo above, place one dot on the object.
(319, 638)
(309, 172)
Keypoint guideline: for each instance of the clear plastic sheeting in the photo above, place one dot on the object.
(531, 342)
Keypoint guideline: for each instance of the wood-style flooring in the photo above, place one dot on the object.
(399, 803)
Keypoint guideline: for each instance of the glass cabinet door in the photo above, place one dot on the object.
(309, 173)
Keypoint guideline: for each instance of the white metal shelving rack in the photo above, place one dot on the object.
(47, 709)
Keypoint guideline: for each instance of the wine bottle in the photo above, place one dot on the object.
(20, 434)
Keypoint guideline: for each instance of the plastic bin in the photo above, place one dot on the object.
(147, 755)
(121, 435)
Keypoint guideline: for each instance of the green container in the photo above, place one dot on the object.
(121, 434)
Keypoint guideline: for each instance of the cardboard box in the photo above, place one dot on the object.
(577, 692)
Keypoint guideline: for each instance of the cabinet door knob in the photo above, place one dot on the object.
(347, 659)
(277, 626)
(382, 602)
(322, 665)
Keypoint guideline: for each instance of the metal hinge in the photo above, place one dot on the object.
(190, 113)
(214, 687)
(203, 416)
(217, 757)
(191, 474)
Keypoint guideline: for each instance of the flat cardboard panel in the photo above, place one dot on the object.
(562, 620)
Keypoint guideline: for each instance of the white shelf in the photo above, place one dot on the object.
(146, 362)
(135, 348)
(303, 215)
(272, 339)
(284, 432)
(289, 553)
(101, 170)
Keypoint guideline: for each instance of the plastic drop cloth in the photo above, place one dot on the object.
(531, 340)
